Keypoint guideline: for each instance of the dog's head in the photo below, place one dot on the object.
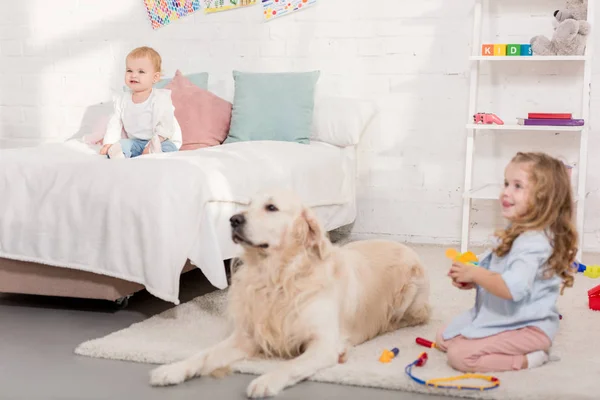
(277, 222)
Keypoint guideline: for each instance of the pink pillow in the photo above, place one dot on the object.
(204, 117)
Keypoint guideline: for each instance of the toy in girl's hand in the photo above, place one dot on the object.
(487, 118)
(467, 257)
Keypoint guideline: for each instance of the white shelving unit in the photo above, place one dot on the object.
(491, 191)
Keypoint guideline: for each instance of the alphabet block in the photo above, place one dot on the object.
(487, 49)
(499, 49)
(526, 50)
(513, 49)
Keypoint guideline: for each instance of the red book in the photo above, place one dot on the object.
(549, 115)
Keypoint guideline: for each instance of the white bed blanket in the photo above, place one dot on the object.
(140, 219)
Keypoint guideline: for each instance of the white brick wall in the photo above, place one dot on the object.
(59, 58)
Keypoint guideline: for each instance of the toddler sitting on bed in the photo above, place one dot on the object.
(146, 114)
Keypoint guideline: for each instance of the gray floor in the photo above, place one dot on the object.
(38, 335)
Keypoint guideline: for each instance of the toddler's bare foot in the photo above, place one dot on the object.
(115, 151)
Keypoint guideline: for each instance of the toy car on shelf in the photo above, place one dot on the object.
(487, 118)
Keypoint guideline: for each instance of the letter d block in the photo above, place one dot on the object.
(513, 49)
(499, 49)
(487, 49)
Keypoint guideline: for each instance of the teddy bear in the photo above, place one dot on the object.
(570, 32)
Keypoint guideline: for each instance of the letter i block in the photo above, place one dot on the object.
(526, 50)
(487, 49)
(499, 49)
(513, 49)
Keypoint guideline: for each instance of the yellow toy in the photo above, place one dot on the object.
(388, 355)
(468, 257)
(592, 271)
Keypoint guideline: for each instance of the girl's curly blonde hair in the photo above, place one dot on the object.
(550, 208)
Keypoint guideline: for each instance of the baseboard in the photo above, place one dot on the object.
(417, 239)
(439, 241)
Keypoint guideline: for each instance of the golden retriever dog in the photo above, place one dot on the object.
(300, 298)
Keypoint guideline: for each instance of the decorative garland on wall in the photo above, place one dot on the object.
(211, 6)
(163, 12)
(279, 8)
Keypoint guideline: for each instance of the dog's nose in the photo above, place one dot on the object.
(556, 12)
(237, 220)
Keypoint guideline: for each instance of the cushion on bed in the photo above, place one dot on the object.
(341, 121)
(203, 116)
(273, 106)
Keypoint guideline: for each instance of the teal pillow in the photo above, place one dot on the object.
(200, 79)
(273, 106)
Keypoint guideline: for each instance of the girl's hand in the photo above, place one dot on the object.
(104, 149)
(460, 272)
(463, 286)
(146, 149)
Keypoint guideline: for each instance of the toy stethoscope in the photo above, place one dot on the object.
(442, 383)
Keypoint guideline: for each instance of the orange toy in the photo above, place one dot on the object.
(467, 257)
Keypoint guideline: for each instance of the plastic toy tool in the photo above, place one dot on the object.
(444, 383)
(388, 355)
(487, 119)
(467, 257)
(591, 271)
(426, 343)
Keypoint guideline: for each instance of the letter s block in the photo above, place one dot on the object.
(526, 50)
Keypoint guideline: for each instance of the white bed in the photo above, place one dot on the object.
(140, 220)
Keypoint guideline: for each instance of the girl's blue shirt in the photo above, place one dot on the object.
(533, 296)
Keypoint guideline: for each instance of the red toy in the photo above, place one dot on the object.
(425, 343)
(487, 118)
(594, 298)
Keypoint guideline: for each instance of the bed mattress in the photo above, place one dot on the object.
(140, 219)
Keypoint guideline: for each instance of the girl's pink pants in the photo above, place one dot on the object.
(502, 352)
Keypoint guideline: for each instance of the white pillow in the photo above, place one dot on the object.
(341, 121)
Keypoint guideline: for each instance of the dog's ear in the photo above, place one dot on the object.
(316, 238)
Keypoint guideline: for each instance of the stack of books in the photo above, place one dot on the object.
(550, 119)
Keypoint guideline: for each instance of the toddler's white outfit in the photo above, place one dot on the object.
(143, 122)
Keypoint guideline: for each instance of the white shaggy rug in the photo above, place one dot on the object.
(189, 327)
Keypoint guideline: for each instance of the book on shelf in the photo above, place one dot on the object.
(550, 121)
(538, 115)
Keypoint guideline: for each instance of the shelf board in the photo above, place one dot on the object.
(491, 191)
(529, 58)
(516, 127)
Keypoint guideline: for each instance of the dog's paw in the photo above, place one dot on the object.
(171, 374)
(266, 385)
